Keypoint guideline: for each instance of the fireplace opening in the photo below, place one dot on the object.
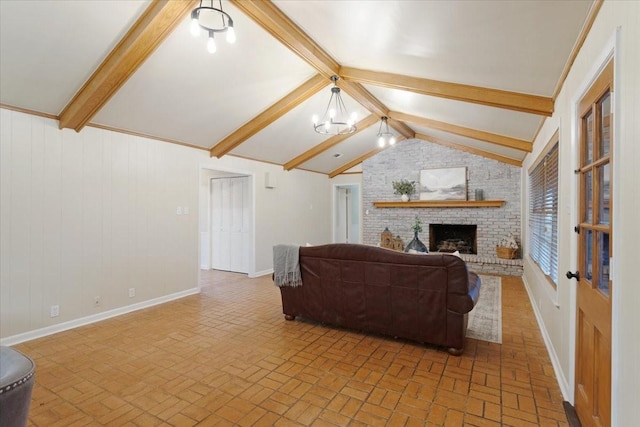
(453, 237)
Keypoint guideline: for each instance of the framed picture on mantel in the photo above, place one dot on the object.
(443, 184)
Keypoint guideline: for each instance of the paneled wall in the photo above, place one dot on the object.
(89, 215)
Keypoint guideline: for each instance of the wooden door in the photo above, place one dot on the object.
(593, 331)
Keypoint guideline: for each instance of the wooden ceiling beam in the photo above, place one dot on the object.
(354, 162)
(371, 103)
(476, 151)
(360, 159)
(504, 141)
(515, 101)
(331, 142)
(148, 32)
(271, 114)
(276, 23)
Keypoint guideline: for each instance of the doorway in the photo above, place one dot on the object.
(594, 290)
(346, 218)
(230, 223)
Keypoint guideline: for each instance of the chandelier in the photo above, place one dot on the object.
(336, 119)
(384, 136)
(206, 17)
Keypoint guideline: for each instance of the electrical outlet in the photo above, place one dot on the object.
(55, 311)
(132, 292)
(96, 302)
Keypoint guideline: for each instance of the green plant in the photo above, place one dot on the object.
(404, 186)
(417, 227)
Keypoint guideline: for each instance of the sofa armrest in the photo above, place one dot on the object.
(464, 303)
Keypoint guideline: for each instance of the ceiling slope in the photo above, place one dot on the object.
(476, 76)
(149, 31)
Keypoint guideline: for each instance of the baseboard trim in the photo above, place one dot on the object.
(261, 273)
(71, 324)
(555, 362)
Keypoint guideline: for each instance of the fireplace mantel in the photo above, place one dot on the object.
(441, 204)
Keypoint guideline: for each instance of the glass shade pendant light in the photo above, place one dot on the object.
(336, 119)
(205, 18)
(384, 135)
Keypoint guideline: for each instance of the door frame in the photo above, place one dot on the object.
(608, 53)
(210, 218)
(334, 203)
(204, 205)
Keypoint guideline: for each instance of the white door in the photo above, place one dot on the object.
(230, 224)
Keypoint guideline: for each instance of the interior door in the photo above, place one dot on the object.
(593, 328)
(230, 204)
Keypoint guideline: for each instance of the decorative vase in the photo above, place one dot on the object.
(416, 245)
(404, 198)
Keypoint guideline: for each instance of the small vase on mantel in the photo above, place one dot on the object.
(416, 245)
(404, 197)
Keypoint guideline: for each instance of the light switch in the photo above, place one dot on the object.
(179, 210)
(186, 210)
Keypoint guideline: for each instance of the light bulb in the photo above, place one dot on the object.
(327, 125)
(332, 113)
(381, 142)
(315, 119)
(231, 35)
(354, 116)
(211, 45)
(392, 140)
(350, 122)
(195, 27)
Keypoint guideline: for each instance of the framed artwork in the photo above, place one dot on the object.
(443, 184)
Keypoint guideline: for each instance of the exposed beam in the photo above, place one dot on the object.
(271, 114)
(522, 102)
(505, 141)
(359, 160)
(334, 140)
(471, 150)
(368, 101)
(276, 23)
(149, 31)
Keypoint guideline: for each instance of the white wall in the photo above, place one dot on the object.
(87, 215)
(92, 214)
(557, 312)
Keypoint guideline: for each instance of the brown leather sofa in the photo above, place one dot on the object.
(424, 298)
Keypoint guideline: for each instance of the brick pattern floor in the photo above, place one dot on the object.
(227, 357)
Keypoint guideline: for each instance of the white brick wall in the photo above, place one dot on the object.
(499, 181)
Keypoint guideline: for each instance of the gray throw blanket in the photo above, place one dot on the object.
(286, 265)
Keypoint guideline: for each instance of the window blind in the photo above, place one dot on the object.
(543, 214)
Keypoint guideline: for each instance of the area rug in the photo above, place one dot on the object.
(485, 320)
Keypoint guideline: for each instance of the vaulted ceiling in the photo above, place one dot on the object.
(479, 76)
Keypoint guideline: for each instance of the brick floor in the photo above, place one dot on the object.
(227, 357)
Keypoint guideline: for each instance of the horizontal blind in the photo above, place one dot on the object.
(543, 214)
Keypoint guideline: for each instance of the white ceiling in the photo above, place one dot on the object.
(185, 94)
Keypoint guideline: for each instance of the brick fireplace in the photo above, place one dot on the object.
(405, 160)
(453, 237)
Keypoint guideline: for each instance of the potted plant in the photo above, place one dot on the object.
(404, 188)
(415, 245)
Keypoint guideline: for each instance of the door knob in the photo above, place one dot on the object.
(575, 275)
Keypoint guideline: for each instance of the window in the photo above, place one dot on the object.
(543, 212)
